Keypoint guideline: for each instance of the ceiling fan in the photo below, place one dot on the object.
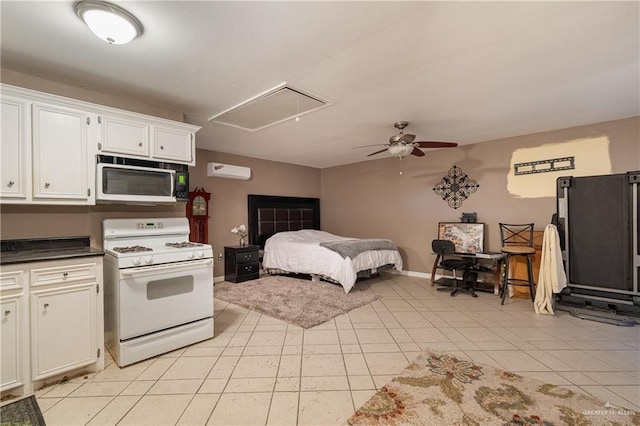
(403, 144)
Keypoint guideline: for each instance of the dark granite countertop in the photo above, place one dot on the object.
(42, 249)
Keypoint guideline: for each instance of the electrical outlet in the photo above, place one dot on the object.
(219, 256)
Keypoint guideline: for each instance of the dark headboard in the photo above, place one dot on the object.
(269, 214)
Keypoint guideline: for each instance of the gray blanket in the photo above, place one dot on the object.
(352, 248)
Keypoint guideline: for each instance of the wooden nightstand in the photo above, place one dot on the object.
(241, 263)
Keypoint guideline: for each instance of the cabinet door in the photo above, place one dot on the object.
(10, 370)
(123, 136)
(63, 329)
(172, 144)
(14, 148)
(60, 153)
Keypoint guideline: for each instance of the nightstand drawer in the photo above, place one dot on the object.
(247, 269)
(246, 257)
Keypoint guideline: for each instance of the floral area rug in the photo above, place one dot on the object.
(440, 389)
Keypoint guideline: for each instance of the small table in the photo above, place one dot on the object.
(478, 257)
(241, 263)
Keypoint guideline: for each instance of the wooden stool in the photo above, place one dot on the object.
(517, 240)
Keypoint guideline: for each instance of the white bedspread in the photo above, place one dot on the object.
(300, 252)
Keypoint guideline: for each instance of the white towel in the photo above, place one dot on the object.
(552, 278)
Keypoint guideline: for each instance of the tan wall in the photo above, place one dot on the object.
(25, 221)
(372, 199)
(86, 94)
(228, 205)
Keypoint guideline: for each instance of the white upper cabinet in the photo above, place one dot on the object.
(14, 166)
(49, 145)
(173, 143)
(146, 138)
(60, 161)
(123, 136)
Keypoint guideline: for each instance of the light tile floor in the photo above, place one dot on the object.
(258, 370)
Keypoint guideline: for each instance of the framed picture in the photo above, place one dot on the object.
(467, 237)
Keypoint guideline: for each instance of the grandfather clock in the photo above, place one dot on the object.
(198, 215)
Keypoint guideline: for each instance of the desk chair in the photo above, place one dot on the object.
(517, 240)
(445, 250)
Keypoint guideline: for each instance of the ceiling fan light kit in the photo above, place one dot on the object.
(109, 22)
(403, 144)
(400, 151)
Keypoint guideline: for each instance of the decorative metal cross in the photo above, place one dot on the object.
(455, 187)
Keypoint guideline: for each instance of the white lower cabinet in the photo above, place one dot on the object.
(63, 331)
(52, 321)
(11, 338)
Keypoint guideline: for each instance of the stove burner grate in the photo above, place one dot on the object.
(132, 249)
(185, 244)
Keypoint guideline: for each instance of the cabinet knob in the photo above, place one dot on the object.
(65, 275)
(161, 146)
(10, 184)
(7, 312)
(46, 305)
(47, 185)
(140, 144)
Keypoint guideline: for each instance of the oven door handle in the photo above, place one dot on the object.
(162, 269)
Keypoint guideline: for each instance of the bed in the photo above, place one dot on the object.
(287, 229)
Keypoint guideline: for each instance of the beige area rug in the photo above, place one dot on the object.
(440, 389)
(300, 302)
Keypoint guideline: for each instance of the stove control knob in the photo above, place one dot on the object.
(190, 255)
(200, 254)
(137, 261)
(148, 260)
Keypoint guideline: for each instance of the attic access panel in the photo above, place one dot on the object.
(274, 106)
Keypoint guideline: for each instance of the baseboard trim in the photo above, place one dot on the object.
(415, 274)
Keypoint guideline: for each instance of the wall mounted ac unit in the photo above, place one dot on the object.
(228, 171)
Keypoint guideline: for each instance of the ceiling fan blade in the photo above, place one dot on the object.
(426, 144)
(407, 138)
(417, 152)
(377, 144)
(377, 152)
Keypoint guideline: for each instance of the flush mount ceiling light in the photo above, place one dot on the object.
(111, 23)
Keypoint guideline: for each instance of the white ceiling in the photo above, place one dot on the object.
(457, 71)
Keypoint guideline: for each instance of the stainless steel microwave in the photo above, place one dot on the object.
(140, 182)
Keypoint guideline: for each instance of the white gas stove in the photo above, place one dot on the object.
(158, 288)
(142, 242)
